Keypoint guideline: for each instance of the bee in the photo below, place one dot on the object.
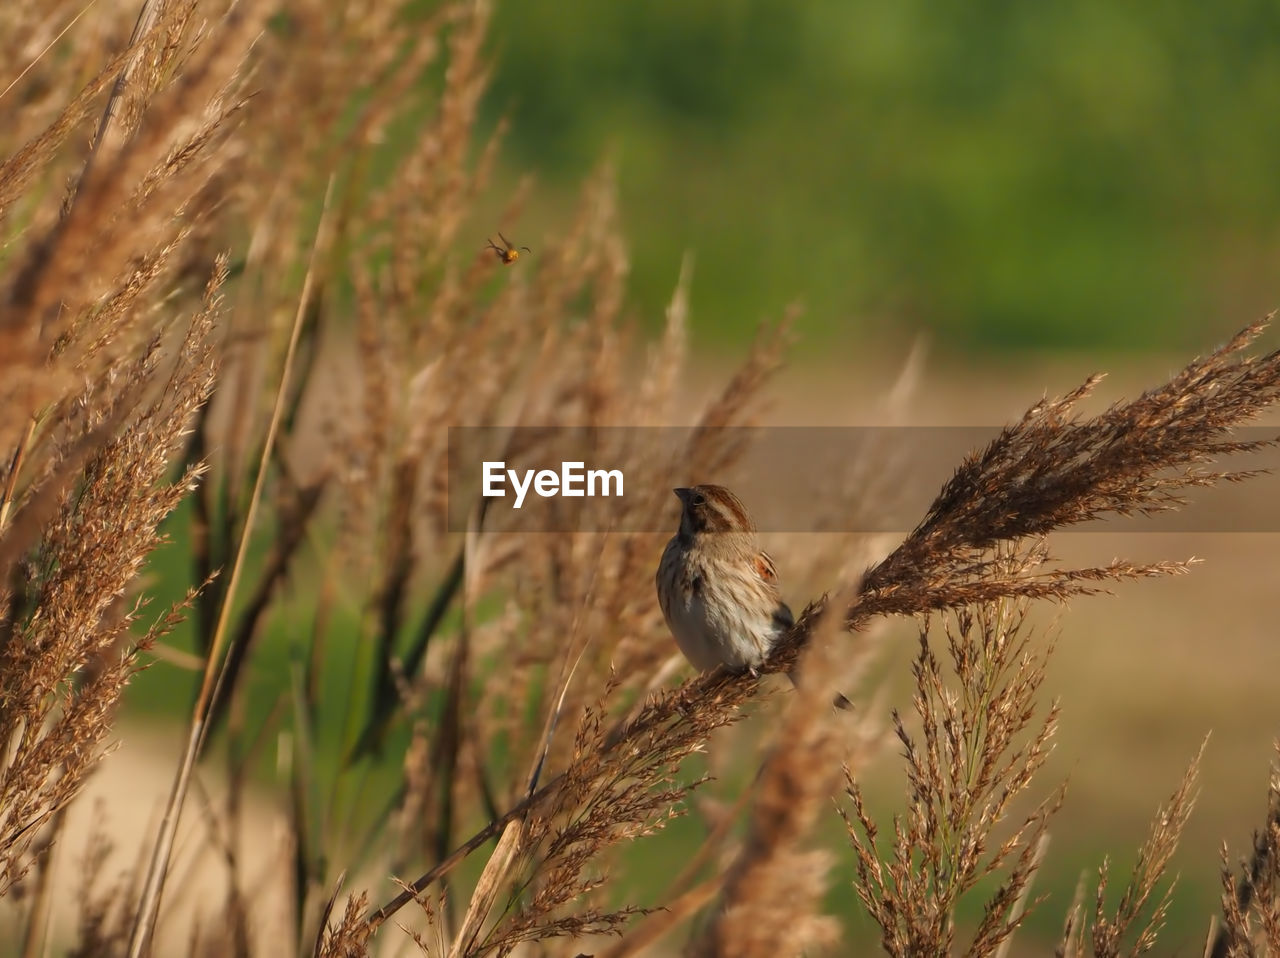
(507, 253)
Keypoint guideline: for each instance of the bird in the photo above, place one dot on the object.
(718, 589)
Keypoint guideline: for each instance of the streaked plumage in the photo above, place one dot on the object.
(717, 588)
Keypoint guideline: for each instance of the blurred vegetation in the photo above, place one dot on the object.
(379, 687)
(1052, 175)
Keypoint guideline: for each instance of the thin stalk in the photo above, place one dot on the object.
(15, 466)
(35, 941)
(1020, 904)
(147, 16)
(215, 670)
(47, 47)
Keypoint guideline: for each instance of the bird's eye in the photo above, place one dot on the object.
(699, 500)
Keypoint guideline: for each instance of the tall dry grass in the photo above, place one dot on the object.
(239, 267)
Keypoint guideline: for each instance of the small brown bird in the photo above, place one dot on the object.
(717, 588)
(507, 253)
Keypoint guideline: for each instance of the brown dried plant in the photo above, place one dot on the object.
(103, 363)
(1251, 899)
(98, 390)
(980, 744)
(1108, 933)
(448, 676)
(63, 617)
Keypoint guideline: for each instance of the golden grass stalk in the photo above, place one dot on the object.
(1250, 923)
(109, 136)
(980, 745)
(1054, 469)
(153, 885)
(65, 658)
(1108, 933)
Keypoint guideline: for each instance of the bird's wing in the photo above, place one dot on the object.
(768, 574)
(765, 568)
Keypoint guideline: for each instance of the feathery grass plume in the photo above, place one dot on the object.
(655, 405)
(132, 202)
(1054, 469)
(667, 727)
(1251, 899)
(107, 313)
(58, 615)
(410, 383)
(350, 937)
(72, 486)
(787, 786)
(980, 744)
(37, 156)
(549, 861)
(1108, 933)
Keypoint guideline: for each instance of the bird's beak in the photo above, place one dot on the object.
(682, 493)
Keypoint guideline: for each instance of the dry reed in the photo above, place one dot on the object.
(489, 687)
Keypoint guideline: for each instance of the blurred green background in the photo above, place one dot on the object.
(1005, 175)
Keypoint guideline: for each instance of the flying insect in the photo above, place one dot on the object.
(507, 253)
